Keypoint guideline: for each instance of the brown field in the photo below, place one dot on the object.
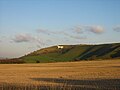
(84, 74)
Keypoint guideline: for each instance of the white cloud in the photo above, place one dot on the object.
(96, 29)
(80, 29)
(117, 28)
(77, 29)
(44, 31)
(27, 38)
(23, 38)
(74, 36)
(78, 37)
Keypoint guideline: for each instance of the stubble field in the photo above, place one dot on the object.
(64, 76)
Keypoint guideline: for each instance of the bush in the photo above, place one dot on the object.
(37, 61)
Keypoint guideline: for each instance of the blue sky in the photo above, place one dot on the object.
(28, 25)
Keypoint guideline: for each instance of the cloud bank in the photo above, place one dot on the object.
(77, 35)
(77, 32)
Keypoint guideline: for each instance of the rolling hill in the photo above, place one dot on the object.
(74, 53)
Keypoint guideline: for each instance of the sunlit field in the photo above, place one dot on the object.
(64, 75)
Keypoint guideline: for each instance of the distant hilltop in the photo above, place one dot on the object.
(3, 58)
(62, 53)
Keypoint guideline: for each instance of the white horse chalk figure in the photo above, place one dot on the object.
(60, 47)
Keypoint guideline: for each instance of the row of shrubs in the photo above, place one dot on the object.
(11, 61)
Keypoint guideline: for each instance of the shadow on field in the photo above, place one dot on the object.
(101, 84)
(65, 84)
(115, 66)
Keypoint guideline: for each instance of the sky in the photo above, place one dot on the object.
(29, 25)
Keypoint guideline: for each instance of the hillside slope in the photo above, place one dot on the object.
(74, 53)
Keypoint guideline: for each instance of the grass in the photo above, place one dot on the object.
(74, 53)
(84, 75)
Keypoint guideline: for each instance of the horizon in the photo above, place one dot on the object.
(28, 25)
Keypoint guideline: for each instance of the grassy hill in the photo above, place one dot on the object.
(74, 53)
